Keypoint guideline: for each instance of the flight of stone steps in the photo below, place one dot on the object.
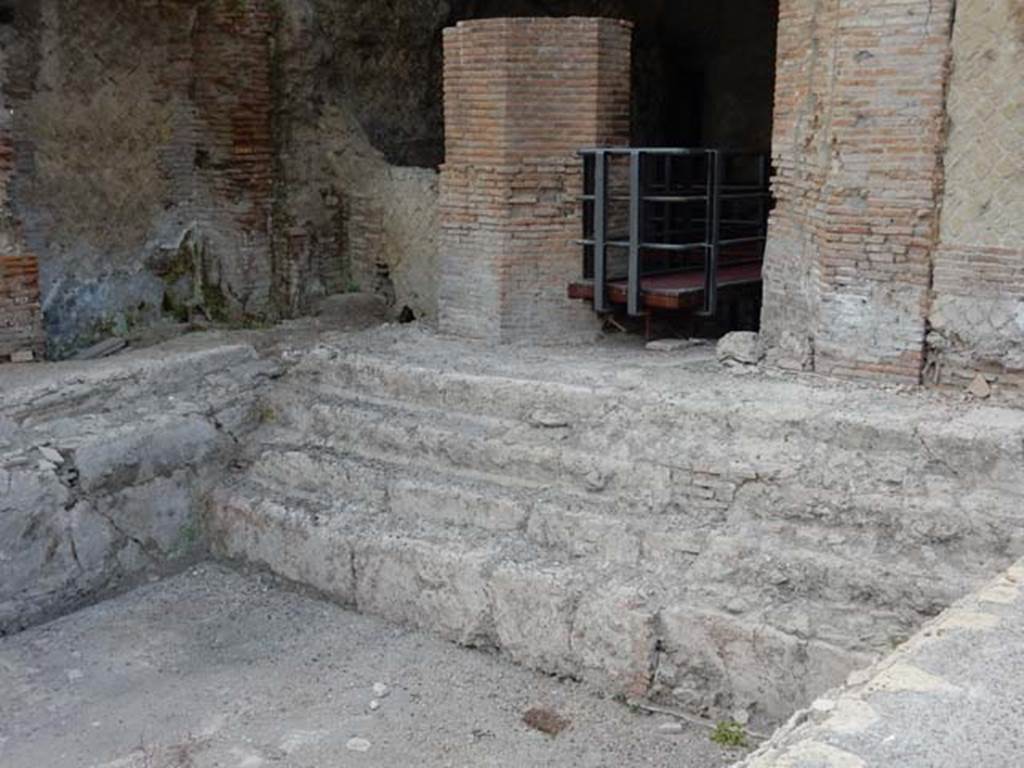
(709, 541)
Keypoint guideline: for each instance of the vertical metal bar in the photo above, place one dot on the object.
(600, 227)
(633, 296)
(762, 202)
(715, 224)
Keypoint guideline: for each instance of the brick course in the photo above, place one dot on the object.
(521, 97)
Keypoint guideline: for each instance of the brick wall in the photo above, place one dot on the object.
(20, 315)
(977, 314)
(521, 96)
(145, 161)
(234, 100)
(858, 136)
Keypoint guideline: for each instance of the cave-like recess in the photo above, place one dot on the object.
(703, 71)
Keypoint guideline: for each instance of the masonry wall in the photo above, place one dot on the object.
(20, 315)
(859, 129)
(521, 97)
(977, 314)
(142, 136)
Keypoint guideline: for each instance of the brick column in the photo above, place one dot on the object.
(521, 97)
(857, 147)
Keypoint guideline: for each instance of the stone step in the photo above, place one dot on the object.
(764, 569)
(986, 441)
(617, 628)
(592, 525)
(712, 542)
(839, 492)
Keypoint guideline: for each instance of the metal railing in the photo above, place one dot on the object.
(662, 188)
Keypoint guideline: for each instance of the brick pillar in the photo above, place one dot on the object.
(521, 97)
(857, 147)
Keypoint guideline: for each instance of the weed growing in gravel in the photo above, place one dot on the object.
(729, 734)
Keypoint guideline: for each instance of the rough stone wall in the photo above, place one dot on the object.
(143, 160)
(521, 96)
(858, 135)
(95, 496)
(20, 317)
(356, 97)
(977, 314)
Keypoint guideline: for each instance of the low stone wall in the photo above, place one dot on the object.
(948, 698)
(104, 468)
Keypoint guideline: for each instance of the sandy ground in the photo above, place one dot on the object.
(213, 668)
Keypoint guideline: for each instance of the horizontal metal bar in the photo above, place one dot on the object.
(627, 151)
(660, 199)
(674, 199)
(742, 240)
(744, 196)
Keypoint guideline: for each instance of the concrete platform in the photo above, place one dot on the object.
(212, 668)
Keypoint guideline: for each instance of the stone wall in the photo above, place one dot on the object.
(521, 97)
(858, 135)
(144, 170)
(97, 496)
(354, 220)
(977, 315)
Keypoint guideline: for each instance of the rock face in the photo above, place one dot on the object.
(714, 543)
(105, 468)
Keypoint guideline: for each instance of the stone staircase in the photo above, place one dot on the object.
(663, 530)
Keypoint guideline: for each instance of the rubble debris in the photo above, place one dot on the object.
(546, 721)
(980, 388)
(105, 348)
(358, 745)
(742, 347)
(672, 345)
(52, 455)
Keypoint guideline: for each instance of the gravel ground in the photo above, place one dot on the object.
(213, 668)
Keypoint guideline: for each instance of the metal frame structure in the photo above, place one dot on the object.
(713, 194)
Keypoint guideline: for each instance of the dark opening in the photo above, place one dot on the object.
(6, 14)
(703, 72)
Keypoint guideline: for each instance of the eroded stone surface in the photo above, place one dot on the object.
(659, 529)
(105, 467)
(950, 697)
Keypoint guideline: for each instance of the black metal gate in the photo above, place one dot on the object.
(659, 211)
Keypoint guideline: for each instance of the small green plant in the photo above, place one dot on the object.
(729, 734)
(267, 414)
(188, 537)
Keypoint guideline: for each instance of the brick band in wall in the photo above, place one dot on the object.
(521, 97)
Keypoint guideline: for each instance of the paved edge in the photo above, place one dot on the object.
(856, 725)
